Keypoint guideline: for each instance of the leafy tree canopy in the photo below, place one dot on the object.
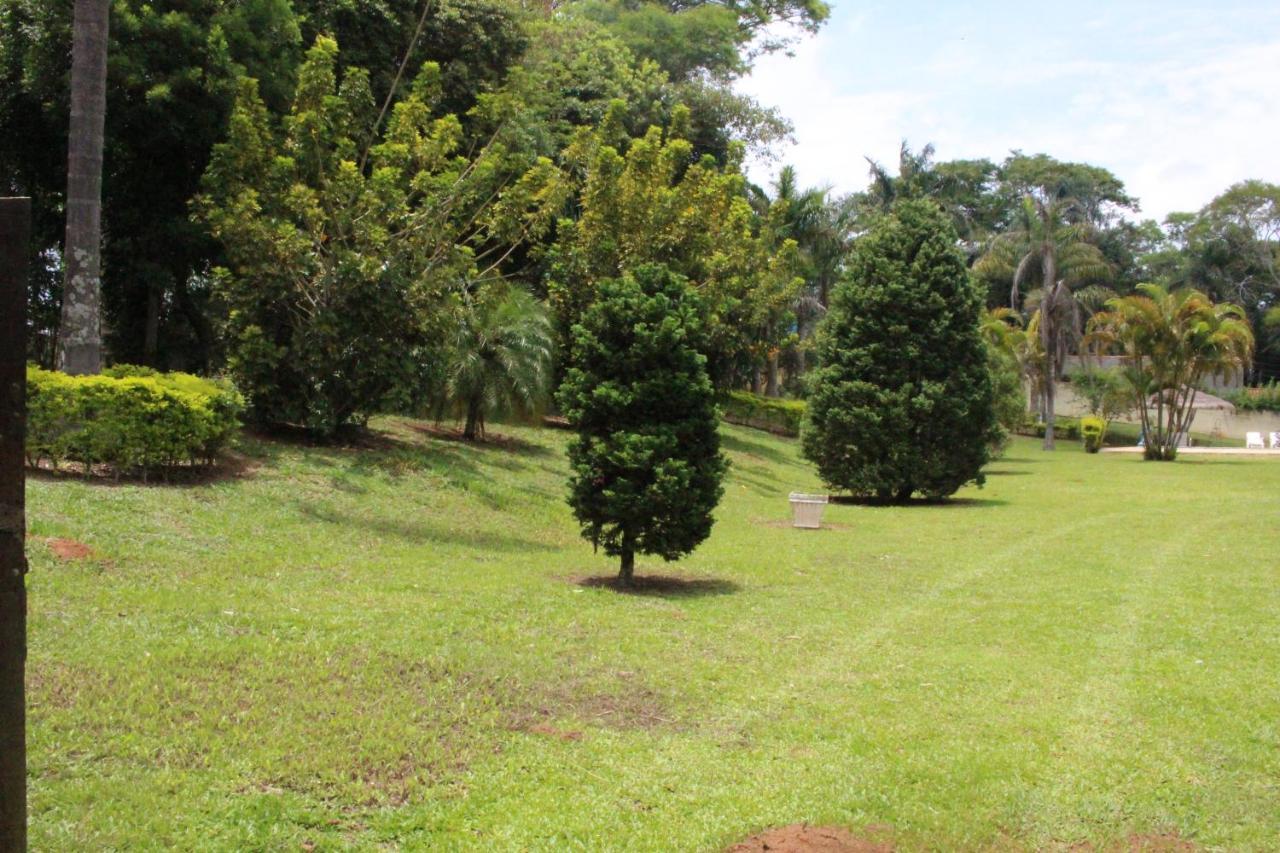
(340, 278)
(647, 200)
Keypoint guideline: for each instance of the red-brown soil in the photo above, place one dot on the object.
(802, 838)
(68, 549)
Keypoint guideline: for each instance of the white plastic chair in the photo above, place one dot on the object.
(1275, 441)
(1253, 441)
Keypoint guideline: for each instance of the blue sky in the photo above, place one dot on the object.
(1179, 100)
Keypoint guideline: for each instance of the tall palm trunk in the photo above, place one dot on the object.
(80, 333)
(475, 419)
(1049, 335)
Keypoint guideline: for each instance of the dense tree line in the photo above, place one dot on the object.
(532, 76)
(572, 143)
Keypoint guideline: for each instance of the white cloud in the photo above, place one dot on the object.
(1177, 130)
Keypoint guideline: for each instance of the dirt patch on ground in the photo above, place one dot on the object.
(230, 465)
(1159, 843)
(568, 710)
(669, 586)
(488, 439)
(802, 838)
(66, 549)
(629, 708)
(547, 730)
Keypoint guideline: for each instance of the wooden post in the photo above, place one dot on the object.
(15, 228)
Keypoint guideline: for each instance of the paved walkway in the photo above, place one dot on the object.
(1205, 451)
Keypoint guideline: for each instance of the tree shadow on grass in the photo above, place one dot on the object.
(934, 503)
(425, 531)
(492, 442)
(738, 444)
(1007, 472)
(1019, 460)
(661, 586)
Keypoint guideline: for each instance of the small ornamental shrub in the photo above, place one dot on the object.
(768, 413)
(1093, 430)
(647, 466)
(135, 422)
(901, 401)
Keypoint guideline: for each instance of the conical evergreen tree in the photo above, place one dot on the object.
(646, 462)
(901, 402)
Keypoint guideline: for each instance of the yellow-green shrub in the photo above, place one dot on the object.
(774, 414)
(1093, 431)
(136, 421)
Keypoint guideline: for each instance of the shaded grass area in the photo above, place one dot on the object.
(407, 644)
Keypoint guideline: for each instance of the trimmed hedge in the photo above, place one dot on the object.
(1264, 398)
(133, 420)
(1065, 428)
(773, 414)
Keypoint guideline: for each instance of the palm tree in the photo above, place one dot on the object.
(822, 228)
(80, 331)
(501, 360)
(1171, 341)
(1048, 243)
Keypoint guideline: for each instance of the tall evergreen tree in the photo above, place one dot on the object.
(647, 466)
(901, 402)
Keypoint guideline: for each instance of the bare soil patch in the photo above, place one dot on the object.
(230, 465)
(66, 549)
(487, 440)
(1160, 843)
(566, 710)
(548, 730)
(803, 838)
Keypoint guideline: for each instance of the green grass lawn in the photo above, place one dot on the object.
(352, 648)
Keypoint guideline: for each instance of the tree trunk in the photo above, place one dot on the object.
(199, 324)
(15, 223)
(1049, 405)
(472, 427)
(771, 376)
(151, 332)
(755, 380)
(628, 567)
(80, 333)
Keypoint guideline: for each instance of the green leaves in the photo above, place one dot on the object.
(653, 204)
(646, 461)
(901, 401)
(1170, 342)
(344, 248)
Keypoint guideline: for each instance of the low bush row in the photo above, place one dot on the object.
(132, 420)
(774, 414)
(1065, 428)
(1265, 398)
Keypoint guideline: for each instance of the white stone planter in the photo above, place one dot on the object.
(806, 510)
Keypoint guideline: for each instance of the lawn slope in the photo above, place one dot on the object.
(402, 645)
